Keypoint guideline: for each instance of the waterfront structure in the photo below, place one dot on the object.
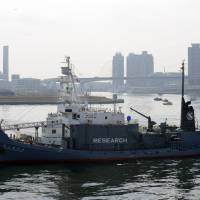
(15, 77)
(139, 65)
(6, 63)
(1, 75)
(194, 64)
(118, 71)
(26, 85)
(4, 85)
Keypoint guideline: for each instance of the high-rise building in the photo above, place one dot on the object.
(139, 65)
(118, 71)
(15, 77)
(1, 76)
(5, 63)
(194, 64)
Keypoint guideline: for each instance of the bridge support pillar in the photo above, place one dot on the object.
(36, 133)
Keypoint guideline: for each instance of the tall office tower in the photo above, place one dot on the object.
(147, 63)
(118, 71)
(139, 65)
(194, 64)
(5, 63)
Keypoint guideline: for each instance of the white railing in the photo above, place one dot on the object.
(23, 125)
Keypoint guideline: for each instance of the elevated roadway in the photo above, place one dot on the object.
(96, 79)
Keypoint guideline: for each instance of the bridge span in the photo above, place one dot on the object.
(96, 79)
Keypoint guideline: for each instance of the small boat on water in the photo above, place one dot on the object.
(168, 103)
(157, 99)
(165, 100)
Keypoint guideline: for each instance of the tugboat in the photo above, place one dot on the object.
(79, 133)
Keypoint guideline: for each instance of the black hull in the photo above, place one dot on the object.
(13, 152)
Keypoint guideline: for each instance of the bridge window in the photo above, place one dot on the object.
(68, 110)
(53, 131)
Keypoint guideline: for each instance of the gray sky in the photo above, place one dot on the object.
(40, 32)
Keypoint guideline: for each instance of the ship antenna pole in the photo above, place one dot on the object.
(183, 77)
(73, 95)
(182, 96)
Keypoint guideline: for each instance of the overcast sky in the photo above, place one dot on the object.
(40, 32)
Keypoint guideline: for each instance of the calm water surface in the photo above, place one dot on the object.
(168, 179)
(163, 179)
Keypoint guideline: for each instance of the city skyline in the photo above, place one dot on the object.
(8, 74)
(162, 69)
(91, 32)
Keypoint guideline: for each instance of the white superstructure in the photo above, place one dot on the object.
(74, 112)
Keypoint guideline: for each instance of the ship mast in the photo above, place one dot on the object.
(182, 95)
(68, 83)
(183, 78)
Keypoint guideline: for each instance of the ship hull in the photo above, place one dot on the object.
(114, 157)
(13, 152)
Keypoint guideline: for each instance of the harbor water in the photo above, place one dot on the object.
(153, 179)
